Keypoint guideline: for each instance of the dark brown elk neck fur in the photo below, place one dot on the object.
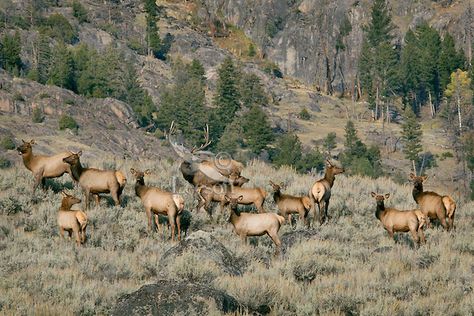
(277, 196)
(67, 203)
(140, 187)
(380, 210)
(417, 191)
(329, 176)
(77, 170)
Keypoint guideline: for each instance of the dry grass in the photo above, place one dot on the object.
(350, 267)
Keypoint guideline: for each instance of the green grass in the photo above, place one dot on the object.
(351, 267)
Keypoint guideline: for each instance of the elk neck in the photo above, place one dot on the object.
(417, 191)
(28, 158)
(77, 170)
(277, 196)
(65, 205)
(329, 177)
(140, 187)
(380, 210)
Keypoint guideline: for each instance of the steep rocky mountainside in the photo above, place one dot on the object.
(301, 35)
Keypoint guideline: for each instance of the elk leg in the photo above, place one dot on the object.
(87, 194)
(415, 237)
(43, 184)
(442, 219)
(78, 239)
(38, 179)
(321, 212)
(83, 235)
(148, 216)
(172, 224)
(326, 207)
(178, 223)
(61, 232)
(114, 193)
(97, 199)
(276, 241)
(157, 222)
(422, 236)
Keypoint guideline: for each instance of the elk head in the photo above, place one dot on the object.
(69, 200)
(73, 159)
(334, 169)
(25, 147)
(140, 175)
(193, 154)
(276, 187)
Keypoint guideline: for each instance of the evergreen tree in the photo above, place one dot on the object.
(329, 142)
(196, 70)
(231, 139)
(227, 97)
(252, 92)
(62, 68)
(449, 60)
(411, 136)
(59, 28)
(79, 12)
(151, 8)
(409, 68)
(289, 151)
(379, 59)
(10, 49)
(350, 135)
(256, 129)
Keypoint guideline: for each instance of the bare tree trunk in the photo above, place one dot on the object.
(459, 113)
(377, 104)
(414, 168)
(431, 105)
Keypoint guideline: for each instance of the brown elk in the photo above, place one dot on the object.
(157, 201)
(248, 224)
(450, 206)
(72, 221)
(394, 220)
(94, 181)
(205, 171)
(430, 203)
(255, 196)
(42, 166)
(289, 204)
(320, 192)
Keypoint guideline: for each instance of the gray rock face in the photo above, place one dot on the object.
(171, 298)
(300, 35)
(206, 246)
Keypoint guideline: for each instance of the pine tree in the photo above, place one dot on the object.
(10, 49)
(350, 135)
(196, 70)
(227, 97)
(449, 60)
(289, 151)
(231, 139)
(256, 129)
(79, 12)
(40, 70)
(329, 142)
(62, 68)
(252, 91)
(411, 136)
(153, 39)
(409, 67)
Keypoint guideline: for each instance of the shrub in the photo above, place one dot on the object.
(273, 70)
(7, 143)
(67, 122)
(59, 28)
(37, 116)
(79, 12)
(251, 51)
(304, 114)
(4, 163)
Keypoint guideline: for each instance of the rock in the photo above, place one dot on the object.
(172, 298)
(204, 245)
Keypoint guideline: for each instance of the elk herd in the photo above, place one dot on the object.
(218, 179)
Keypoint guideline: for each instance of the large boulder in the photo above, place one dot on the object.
(174, 298)
(205, 246)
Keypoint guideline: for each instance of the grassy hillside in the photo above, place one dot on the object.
(349, 266)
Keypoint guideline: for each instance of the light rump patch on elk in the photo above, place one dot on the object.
(320, 192)
(72, 221)
(394, 220)
(157, 201)
(94, 181)
(450, 206)
(248, 224)
(289, 204)
(430, 203)
(43, 166)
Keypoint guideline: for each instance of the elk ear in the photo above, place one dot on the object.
(271, 182)
(32, 142)
(63, 194)
(373, 194)
(23, 141)
(240, 198)
(132, 171)
(226, 198)
(147, 172)
(412, 175)
(79, 153)
(423, 178)
(387, 195)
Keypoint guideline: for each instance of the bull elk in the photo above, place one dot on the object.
(205, 171)
(289, 204)
(72, 221)
(248, 224)
(431, 203)
(95, 181)
(394, 220)
(320, 192)
(41, 166)
(157, 201)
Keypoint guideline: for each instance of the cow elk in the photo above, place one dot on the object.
(289, 204)
(41, 166)
(431, 203)
(95, 181)
(157, 201)
(320, 192)
(394, 220)
(255, 196)
(72, 221)
(248, 224)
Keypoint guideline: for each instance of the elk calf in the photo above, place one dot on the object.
(320, 192)
(431, 203)
(157, 201)
(42, 166)
(248, 224)
(394, 220)
(72, 221)
(289, 204)
(94, 181)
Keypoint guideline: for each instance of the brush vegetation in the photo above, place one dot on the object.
(350, 267)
